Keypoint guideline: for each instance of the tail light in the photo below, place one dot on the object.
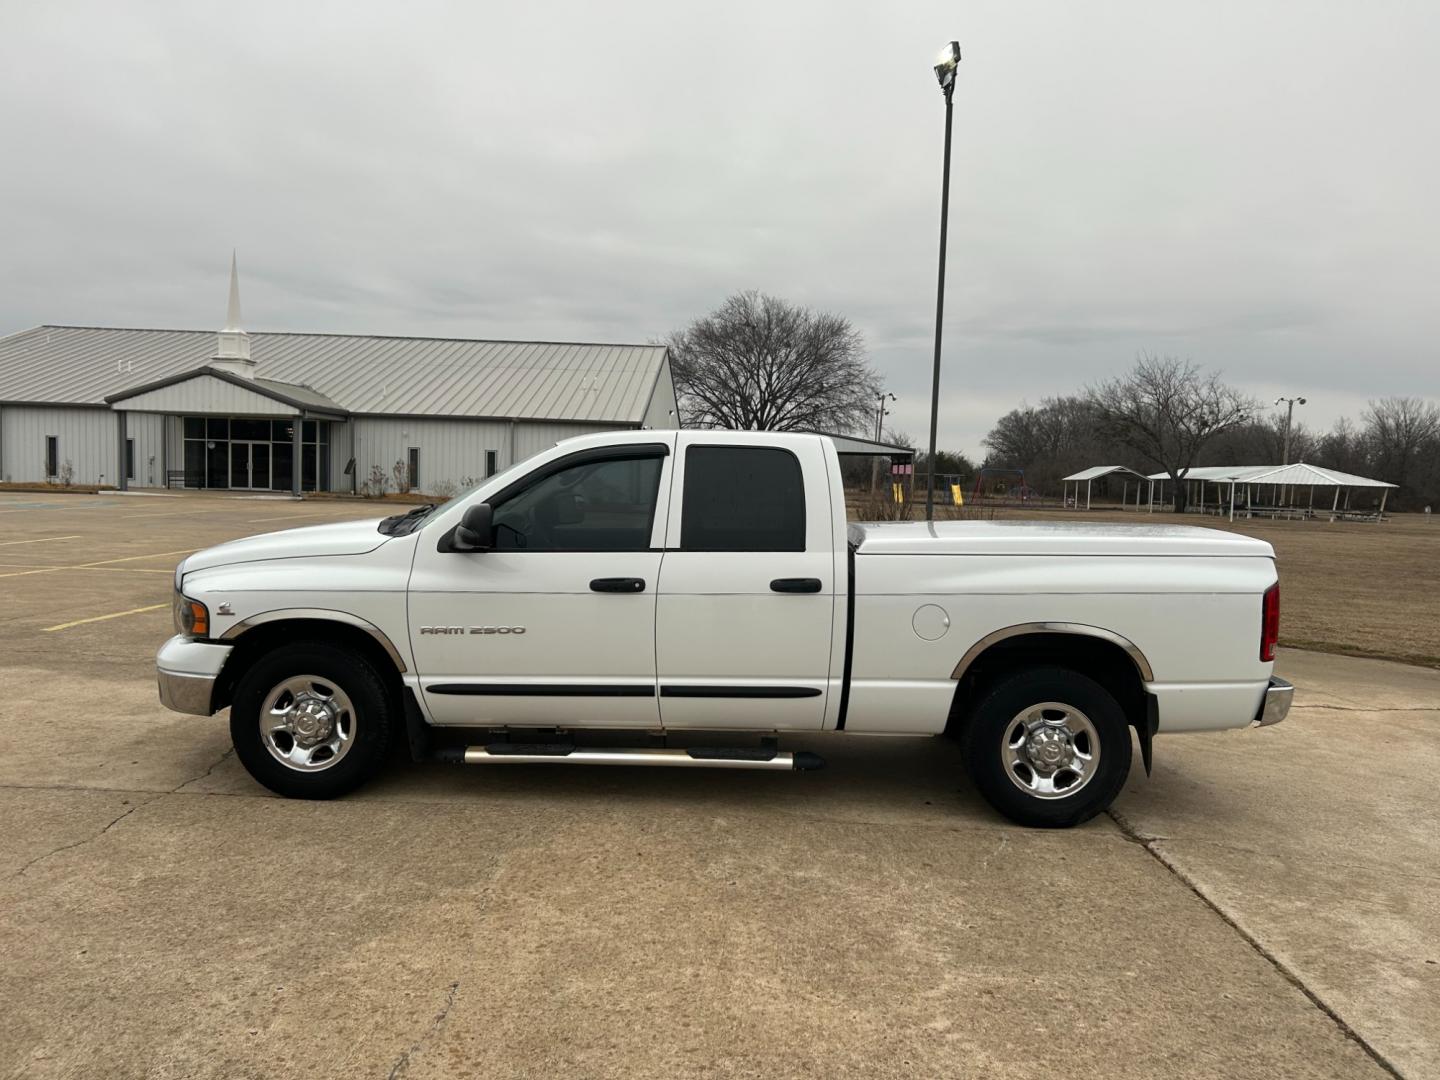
(1270, 623)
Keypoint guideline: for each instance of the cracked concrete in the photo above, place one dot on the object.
(131, 806)
(1266, 910)
(1317, 840)
(402, 1065)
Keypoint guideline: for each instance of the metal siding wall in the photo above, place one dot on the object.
(175, 446)
(532, 437)
(87, 441)
(450, 450)
(148, 431)
(342, 447)
(663, 412)
(209, 396)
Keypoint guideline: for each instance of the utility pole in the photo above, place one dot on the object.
(1290, 402)
(945, 68)
(880, 412)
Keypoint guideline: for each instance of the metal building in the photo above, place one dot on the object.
(305, 412)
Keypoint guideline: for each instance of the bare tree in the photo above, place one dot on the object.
(1261, 441)
(1166, 410)
(761, 364)
(1399, 429)
(1049, 441)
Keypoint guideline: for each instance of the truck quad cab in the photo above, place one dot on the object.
(636, 597)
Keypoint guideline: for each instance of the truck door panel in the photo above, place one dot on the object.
(522, 635)
(747, 591)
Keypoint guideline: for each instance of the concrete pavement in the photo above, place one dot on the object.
(1262, 907)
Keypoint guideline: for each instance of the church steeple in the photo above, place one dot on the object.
(233, 349)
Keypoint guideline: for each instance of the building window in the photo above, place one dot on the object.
(52, 456)
(490, 456)
(412, 467)
(129, 459)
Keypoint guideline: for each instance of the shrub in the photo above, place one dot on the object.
(402, 477)
(377, 485)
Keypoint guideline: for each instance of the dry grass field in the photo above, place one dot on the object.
(1352, 588)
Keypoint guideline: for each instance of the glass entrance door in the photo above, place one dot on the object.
(250, 465)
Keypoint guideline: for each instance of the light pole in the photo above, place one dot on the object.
(945, 66)
(1291, 402)
(1289, 415)
(880, 411)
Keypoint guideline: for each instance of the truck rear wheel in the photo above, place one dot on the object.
(311, 721)
(1047, 747)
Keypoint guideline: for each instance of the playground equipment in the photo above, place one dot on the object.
(994, 484)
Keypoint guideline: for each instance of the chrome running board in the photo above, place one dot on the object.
(699, 757)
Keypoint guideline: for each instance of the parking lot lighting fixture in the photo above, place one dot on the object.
(945, 65)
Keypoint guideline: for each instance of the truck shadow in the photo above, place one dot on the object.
(865, 779)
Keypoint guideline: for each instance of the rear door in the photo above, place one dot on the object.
(747, 587)
(555, 626)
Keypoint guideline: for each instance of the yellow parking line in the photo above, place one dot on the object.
(32, 568)
(102, 618)
(282, 517)
(100, 563)
(39, 540)
(132, 558)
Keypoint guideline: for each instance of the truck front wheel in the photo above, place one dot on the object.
(311, 721)
(1047, 747)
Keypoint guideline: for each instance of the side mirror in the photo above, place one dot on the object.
(476, 531)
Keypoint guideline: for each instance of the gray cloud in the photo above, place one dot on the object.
(1250, 188)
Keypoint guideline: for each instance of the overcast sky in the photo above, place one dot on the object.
(1249, 185)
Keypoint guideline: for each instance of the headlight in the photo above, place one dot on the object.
(192, 618)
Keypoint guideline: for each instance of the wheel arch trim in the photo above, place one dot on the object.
(1142, 665)
(321, 615)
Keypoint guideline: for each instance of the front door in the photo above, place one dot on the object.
(745, 615)
(557, 624)
(250, 465)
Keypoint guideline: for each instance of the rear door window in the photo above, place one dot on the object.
(742, 498)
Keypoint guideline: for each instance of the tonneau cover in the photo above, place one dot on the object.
(1049, 538)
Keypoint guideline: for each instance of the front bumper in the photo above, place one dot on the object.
(186, 671)
(1278, 696)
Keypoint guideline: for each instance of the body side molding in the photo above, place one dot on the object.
(1142, 665)
(324, 615)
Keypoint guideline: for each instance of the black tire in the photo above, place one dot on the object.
(370, 725)
(994, 720)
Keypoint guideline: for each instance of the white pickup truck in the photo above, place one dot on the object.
(676, 585)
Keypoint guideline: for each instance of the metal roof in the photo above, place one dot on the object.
(1215, 472)
(1303, 475)
(301, 397)
(83, 365)
(1097, 471)
(849, 444)
(1298, 475)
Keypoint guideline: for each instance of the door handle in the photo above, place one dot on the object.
(795, 584)
(617, 584)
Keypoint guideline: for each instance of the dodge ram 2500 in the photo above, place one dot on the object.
(679, 584)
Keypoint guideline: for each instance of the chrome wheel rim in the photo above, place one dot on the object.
(307, 723)
(1050, 750)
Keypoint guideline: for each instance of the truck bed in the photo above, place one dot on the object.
(1049, 538)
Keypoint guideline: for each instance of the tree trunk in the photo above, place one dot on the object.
(1182, 497)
